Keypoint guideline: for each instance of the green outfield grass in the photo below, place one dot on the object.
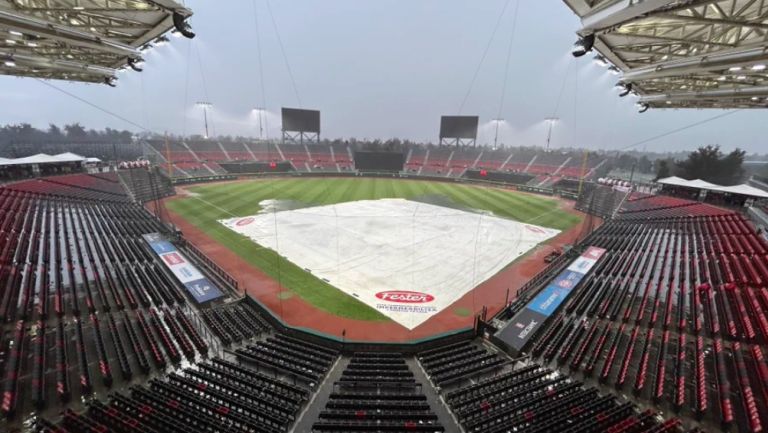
(217, 201)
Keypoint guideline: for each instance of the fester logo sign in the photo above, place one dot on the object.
(405, 297)
(534, 229)
(245, 221)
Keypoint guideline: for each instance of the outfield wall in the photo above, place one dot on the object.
(348, 347)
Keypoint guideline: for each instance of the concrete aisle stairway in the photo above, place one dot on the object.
(311, 413)
(435, 403)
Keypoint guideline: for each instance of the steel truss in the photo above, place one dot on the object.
(684, 53)
(80, 40)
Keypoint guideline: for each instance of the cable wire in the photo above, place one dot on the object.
(205, 87)
(102, 109)
(186, 89)
(562, 87)
(482, 58)
(285, 56)
(682, 128)
(509, 57)
(261, 69)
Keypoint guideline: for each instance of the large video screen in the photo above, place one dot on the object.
(379, 161)
(459, 127)
(298, 120)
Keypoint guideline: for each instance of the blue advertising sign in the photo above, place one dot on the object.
(523, 326)
(201, 289)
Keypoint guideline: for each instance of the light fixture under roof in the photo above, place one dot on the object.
(735, 68)
(161, 40)
(10, 63)
(760, 67)
(15, 33)
(600, 60)
(741, 77)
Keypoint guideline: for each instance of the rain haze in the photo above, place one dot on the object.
(379, 70)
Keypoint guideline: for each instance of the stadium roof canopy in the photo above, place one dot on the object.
(743, 189)
(82, 40)
(682, 53)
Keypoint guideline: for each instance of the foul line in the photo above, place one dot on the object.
(214, 206)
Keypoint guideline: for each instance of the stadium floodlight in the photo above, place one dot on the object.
(136, 64)
(583, 45)
(175, 33)
(110, 81)
(626, 88)
(497, 121)
(614, 70)
(600, 60)
(206, 105)
(643, 107)
(182, 25)
(550, 122)
(260, 111)
(146, 47)
(161, 40)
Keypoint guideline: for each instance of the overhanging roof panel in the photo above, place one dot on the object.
(666, 47)
(98, 35)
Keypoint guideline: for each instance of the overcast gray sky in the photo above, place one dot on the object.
(380, 69)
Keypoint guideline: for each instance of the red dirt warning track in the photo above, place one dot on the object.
(298, 313)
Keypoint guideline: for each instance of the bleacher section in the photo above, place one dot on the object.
(600, 200)
(88, 305)
(299, 359)
(195, 158)
(534, 399)
(172, 150)
(458, 362)
(235, 322)
(207, 150)
(104, 186)
(322, 159)
(377, 392)
(674, 312)
(215, 396)
(297, 155)
(145, 185)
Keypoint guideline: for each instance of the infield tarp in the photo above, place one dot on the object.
(407, 259)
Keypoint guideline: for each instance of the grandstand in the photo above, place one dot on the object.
(219, 285)
(675, 304)
(201, 158)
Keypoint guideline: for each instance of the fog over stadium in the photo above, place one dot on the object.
(381, 70)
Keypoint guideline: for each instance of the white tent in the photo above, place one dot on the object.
(42, 158)
(742, 189)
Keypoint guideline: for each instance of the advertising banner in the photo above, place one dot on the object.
(201, 289)
(523, 326)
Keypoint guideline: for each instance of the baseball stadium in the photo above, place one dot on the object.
(216, 267)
